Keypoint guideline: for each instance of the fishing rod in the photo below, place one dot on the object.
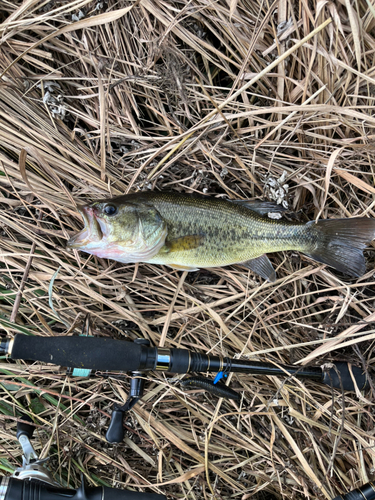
(84, 355)
(33, 481)
(365, 492)
(104, 354)
(97, 354)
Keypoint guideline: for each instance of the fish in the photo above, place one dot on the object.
(191, 232)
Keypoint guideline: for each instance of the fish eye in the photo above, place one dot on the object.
(110, 210)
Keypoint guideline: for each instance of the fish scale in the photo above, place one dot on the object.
(232, 233)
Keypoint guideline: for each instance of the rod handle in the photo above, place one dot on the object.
(95, 353)
(365, 492)
(24, 489)
(332, 379)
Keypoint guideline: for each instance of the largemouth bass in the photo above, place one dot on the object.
(190, 232)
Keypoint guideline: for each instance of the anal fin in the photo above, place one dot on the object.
(262, 266)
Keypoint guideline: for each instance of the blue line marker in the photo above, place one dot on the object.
(218, 377)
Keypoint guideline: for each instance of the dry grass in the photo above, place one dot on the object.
(131, 113)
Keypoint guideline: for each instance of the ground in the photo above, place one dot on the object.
(237, 99)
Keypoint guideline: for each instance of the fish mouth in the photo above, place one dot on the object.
(90, 233)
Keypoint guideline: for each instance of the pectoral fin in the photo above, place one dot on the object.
(261, 207)
(183, 268)
(183, 244)
(262, 266)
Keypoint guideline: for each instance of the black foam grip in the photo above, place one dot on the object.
(81, 352)
(331, 377)
(25, 489)
(112, 494)
(31, 490)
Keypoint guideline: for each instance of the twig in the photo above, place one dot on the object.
(170, 310)
(18, 298)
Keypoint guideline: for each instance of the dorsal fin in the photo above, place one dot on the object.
(261, 207)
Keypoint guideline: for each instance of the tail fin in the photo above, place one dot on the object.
(340, 243)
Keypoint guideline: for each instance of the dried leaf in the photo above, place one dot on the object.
(106, 17)
(329, 168)
(359, 183)
(356, 33)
